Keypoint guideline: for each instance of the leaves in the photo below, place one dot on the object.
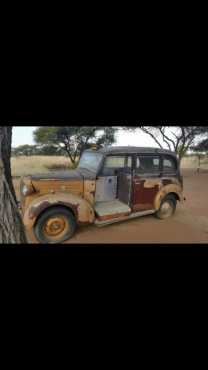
(75, 139)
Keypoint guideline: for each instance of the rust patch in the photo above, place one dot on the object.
(142, 207)
(89, 191)
(111, 217)
(82, 209)
(52, 186)
(170, 180)
(171, 188)
(151, 183)
(34, 211)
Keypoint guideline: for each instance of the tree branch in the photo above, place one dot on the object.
(151, 134)
(166, 138)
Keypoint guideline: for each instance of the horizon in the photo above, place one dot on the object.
(23, 135)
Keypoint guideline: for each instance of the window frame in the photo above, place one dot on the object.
(173, 160)
(150, 155)
(126, 155)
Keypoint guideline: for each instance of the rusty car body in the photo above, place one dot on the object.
(109, 185)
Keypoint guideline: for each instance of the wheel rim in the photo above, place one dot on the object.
(56, 227)
(166, 209)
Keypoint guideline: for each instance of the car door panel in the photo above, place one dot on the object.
(143, 196)
(145, 186)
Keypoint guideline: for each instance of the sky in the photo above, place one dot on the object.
(24, 135)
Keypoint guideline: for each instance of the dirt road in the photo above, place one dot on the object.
(189, 224)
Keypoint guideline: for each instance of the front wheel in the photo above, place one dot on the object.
(167, 207)
(56, 225)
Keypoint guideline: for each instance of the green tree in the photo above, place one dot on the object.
(74, 139)
(202, 146)
(26, 150)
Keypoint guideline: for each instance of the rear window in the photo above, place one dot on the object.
(148, 164)
(169, 165)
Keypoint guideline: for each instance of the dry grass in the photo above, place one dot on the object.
(23, 166)
(192, 163)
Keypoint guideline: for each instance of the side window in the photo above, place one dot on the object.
(115, 163)
(112, 164)
(148, 164)
(169, 165)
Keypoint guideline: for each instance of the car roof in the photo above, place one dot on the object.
(133, 150)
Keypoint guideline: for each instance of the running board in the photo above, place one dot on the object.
(123, 218)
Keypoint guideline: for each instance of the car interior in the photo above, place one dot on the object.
(113, 187)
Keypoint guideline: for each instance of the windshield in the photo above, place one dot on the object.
(91, 161)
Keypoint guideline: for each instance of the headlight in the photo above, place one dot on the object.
(26, 187)
(25, 190)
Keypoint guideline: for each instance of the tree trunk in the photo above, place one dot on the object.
(11, 226)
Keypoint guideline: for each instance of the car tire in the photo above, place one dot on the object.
(54, 226)
(167, 207)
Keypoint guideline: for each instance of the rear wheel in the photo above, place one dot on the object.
(167, 207)
(56, 225)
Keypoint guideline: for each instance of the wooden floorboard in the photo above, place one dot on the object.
(110, 208)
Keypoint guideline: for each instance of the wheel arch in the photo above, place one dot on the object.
(173, 190)
(81, 209)
(54, 206)
(175, 195)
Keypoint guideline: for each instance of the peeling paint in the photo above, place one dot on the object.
(82, 209)
(172, 188)
(151, 183)
(89, 191)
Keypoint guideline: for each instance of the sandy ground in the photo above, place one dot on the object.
(188, 225)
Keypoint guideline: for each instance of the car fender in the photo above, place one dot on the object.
(171, 188)
(81, 208)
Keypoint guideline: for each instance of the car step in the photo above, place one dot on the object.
(123, 218)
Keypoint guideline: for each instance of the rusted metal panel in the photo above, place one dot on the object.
(78, 174)
(167, 189)
(124, 218)
(152, 183)
(144, 192)
(83, 211)
(112, 216)
(149, 192)
(112, 209)
(59, 175)
(89, 191)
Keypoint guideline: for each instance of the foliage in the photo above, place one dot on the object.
(202, 146)
(31, 150)
(74, 139)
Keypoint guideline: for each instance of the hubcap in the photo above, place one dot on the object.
(56, 226)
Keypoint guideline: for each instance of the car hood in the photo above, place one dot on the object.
(78, 174)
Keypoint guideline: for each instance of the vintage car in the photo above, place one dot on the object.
(109, 185)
